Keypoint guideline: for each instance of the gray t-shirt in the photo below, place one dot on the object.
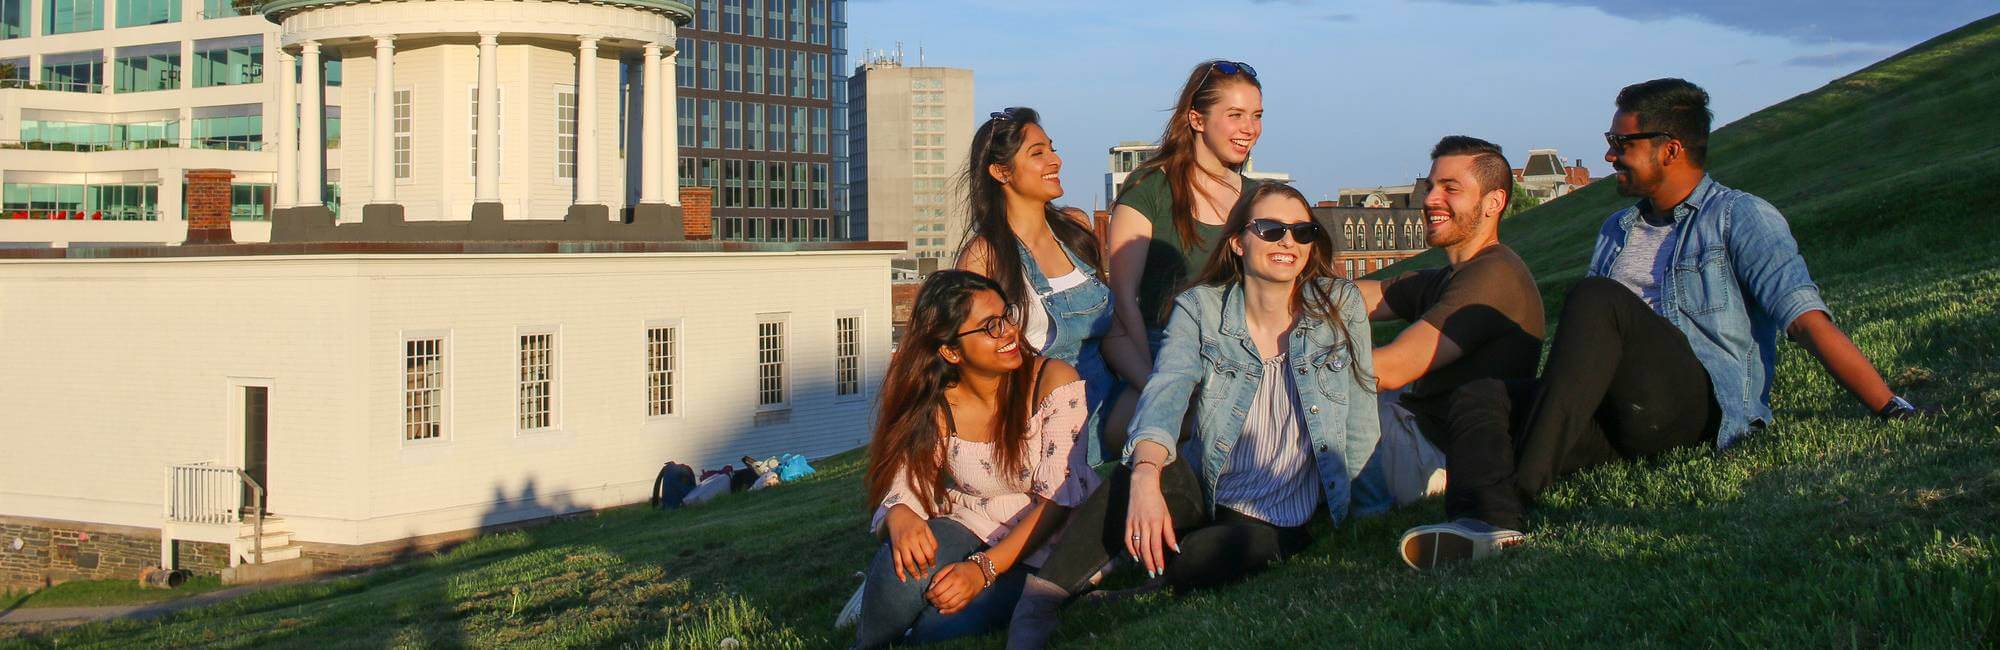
(1640, 266)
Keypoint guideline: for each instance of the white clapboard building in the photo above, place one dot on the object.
(378, 394)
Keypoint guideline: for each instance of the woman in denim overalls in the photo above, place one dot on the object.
(1052, 272)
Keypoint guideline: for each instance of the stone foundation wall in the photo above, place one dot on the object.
(36, 553)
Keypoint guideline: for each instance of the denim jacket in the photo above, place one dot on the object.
(1737, 280)
(1208, 356)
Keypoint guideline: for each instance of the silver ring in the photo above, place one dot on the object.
(1137, 536)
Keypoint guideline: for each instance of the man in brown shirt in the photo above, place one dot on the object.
(1478, 317)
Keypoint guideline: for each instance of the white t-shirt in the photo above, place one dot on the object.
(1040, 330)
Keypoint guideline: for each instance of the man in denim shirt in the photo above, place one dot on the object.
(1670, 342)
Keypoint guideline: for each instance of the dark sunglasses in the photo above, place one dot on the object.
(996, 326)
(1227, 68)
(1007, 114)
(1272, 230)
(1621, 140)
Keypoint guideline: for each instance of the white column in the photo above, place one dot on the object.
(108, 75)
(670, 149)
(649, 128)
(288, 132)
(586, 121)
(486, 186)
(383, 126)
(312, 145)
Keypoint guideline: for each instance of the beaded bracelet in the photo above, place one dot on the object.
(985, 564)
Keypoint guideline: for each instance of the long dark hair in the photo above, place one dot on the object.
(1310, 293)
(995, 143)
(1176, 156)
(908, 436)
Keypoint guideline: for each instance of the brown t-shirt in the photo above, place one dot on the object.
(1489, 307)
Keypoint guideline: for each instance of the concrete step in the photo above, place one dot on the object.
(246, 528)
(269, 571)
(272, 554)
(271, 539)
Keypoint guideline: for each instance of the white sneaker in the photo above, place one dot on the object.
(1425, 547)
(851, 613)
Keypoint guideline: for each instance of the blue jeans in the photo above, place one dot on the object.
(894, 611)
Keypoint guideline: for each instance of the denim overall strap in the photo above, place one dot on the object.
(1081, 316)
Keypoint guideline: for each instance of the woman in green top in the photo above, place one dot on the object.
(1171, 211)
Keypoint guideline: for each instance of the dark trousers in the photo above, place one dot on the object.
(1214, 550)
(1621, 382)
(896, 612)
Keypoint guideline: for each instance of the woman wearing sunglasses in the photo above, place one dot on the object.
(976, 438)
(1171, 209)
(1272, 349)
(1044, 257)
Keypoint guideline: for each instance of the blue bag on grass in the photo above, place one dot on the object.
(792, 467)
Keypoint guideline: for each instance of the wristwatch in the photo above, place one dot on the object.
(1897, 409)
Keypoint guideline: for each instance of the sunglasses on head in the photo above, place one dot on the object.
(995, 326)
(1620, 140)
(1007, 114)
(1227, 68)
(1272, 230)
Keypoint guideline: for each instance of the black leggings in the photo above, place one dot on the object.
(1215, 550)
(1621, 382)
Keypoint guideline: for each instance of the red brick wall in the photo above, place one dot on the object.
(207, 193)
(1578, 176)
(697, 206)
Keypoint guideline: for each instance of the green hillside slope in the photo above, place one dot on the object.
(1830, 529)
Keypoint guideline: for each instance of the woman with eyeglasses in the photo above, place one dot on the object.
(1272, 350)
(1046, 258)
(975, 441)
(1170, 212)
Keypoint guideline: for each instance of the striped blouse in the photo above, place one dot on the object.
(1271, 474)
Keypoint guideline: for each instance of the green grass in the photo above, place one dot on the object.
(95, 593)
(1830, 529)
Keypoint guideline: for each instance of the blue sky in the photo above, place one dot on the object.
(1356, 91)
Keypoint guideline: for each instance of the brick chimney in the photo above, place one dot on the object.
(697, 205)
(208, 203)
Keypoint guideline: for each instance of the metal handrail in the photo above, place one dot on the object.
(257, 516)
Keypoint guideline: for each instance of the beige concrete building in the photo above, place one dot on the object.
(911, 130)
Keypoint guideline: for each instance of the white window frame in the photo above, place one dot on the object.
(444, 405)
(499, 134)
(860, 355)
(784, 322)
(569, 90)
(555, 374)
(676, 369)
(404, 157)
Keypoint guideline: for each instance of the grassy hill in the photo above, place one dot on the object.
(1829, 529)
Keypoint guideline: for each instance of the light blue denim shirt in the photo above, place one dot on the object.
(1737, 279)
(1208, 356)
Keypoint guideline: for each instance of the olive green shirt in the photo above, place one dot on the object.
(1170, 262)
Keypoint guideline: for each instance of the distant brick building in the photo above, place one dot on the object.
(1370, 239)
(1546, 176)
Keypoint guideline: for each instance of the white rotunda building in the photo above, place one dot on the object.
(482, 111)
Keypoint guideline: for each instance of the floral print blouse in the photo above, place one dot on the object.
(988, 504)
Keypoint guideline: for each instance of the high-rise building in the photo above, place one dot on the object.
(762, 103)
(455, 108)
(911, 130)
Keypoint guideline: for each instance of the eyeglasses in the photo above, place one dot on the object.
(996, 326)
(1007, 114)
(1272, 230)
(1226, 67)
(1621, 140)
